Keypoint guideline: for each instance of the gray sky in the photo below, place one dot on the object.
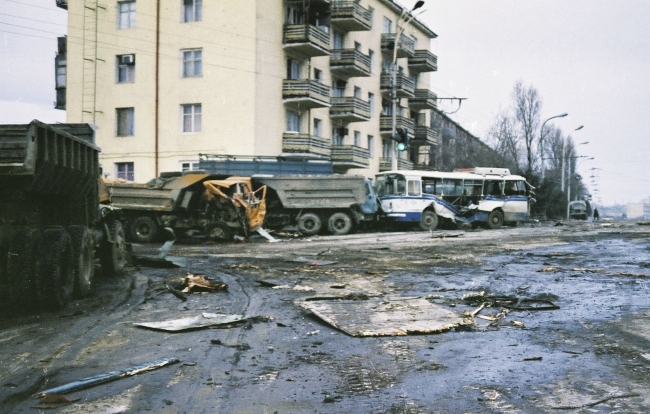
(589, 58)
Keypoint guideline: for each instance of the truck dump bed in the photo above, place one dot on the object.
(316, 191)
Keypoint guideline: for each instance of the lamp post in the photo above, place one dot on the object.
(541, 137)
(393, 89)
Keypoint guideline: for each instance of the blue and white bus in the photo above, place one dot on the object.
(476, 196)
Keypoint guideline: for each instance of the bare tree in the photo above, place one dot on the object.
(527, 107)
(503, 137)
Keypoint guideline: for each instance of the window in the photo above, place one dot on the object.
(357, 92)
(371, 103)
(388, 25)
(338, 135)
(371, 57)
(318, 127)
(294, 16)
(125, 72)
(386, 66)
(125, 14)
(125, 122)
(189, 165)
(124, 170)
(414, 78)
(385, 148)
(192, 63)
(357, 46)
(293, 69)
(415, 42)
(318, 75)
(338, 40)
(338, 88)
(192, 10)
(191, 117)
(371, 146)
(61, 71)
(357, 138)
(293, 121)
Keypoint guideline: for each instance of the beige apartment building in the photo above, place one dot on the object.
(165, 81)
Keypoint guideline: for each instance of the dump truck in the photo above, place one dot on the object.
(578, 210)
(52, 224)
(216, 206)
(314, 203)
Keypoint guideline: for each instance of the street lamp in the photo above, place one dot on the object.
(393, 88)
(541, 137)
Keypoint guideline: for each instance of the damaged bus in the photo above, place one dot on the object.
(489, 197)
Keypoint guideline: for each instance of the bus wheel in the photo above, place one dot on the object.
(144, 229)
(428, 221)
(309, 224)
(495, 219)
(339, 224)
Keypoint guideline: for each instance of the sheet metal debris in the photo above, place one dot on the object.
(193, 322)
(200, 283)
(384, 317)
(111, 376)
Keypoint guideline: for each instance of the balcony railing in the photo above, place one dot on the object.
(349, 63)
(350, 109)
(305, 144)
(386, 123)
(350, 16)
(423, 61)
(404, 86)
(423, 99)
(402, 164)
(425, 135)
(306, 39)
(350, 156)
(305, 93)
(405, 47)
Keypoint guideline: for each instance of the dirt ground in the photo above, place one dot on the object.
(586, 351)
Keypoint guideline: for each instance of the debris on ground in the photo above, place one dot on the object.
(200, 283)
(550, 269)
(586, 270)
(161, 260)
(311, 262)
(193, 322)
(629, 274)
(383, 317)
(591, 404)
(111, 376)
(534, 358)
(53, 401)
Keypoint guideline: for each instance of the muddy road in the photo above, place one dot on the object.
(547, 319)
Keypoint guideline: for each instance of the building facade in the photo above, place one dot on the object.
(167, 81)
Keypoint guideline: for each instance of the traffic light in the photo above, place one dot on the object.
(402, 138)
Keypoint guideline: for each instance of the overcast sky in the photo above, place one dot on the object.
(589, 58)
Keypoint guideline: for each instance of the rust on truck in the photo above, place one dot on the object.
(235, 197)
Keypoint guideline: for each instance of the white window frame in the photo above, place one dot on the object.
(125, 174)
(127, 130)
(126, 14)
(127, 69)
(357, 138)
(191, 118)
(294, 69)
(387, 26)
(293, 121)
(371, 146)
(318, 128)
(189, 165)
(191, 63)
(192, 11)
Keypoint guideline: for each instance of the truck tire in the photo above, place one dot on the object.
(56, 277)
(144, 229)
(428, 221)
(218, 232)
(23, 268)
(113, 256)
(309, 224)
(83, 247)
(339, 223)
(495, 220)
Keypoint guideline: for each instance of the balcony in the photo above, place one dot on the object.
(306, 39)
(405, 47)
(305, 94)
(349, 63)
(305, 144)
(386, 123)
(404, 86)
(423, 61)
(402, 164)
(350, 109)
(350, 156)
(350, 16)
(425, 135)
(423, 99)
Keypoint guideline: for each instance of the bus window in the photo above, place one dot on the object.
(515, 188)
(414, 188)
(493, 188)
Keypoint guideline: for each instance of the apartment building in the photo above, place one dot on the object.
(167, 81)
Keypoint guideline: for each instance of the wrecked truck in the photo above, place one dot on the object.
(51, 222)
(314, 203)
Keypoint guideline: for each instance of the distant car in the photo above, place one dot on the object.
(578, 210)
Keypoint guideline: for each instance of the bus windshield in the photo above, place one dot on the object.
(388, 185)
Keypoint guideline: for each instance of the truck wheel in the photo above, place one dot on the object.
(218, 232)
(309, 224)
(339, 224)
(83, 247)
(112, 256)
(144, 229)
(23, 261)
(56, 277)
(495, 219)
(428, 221)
